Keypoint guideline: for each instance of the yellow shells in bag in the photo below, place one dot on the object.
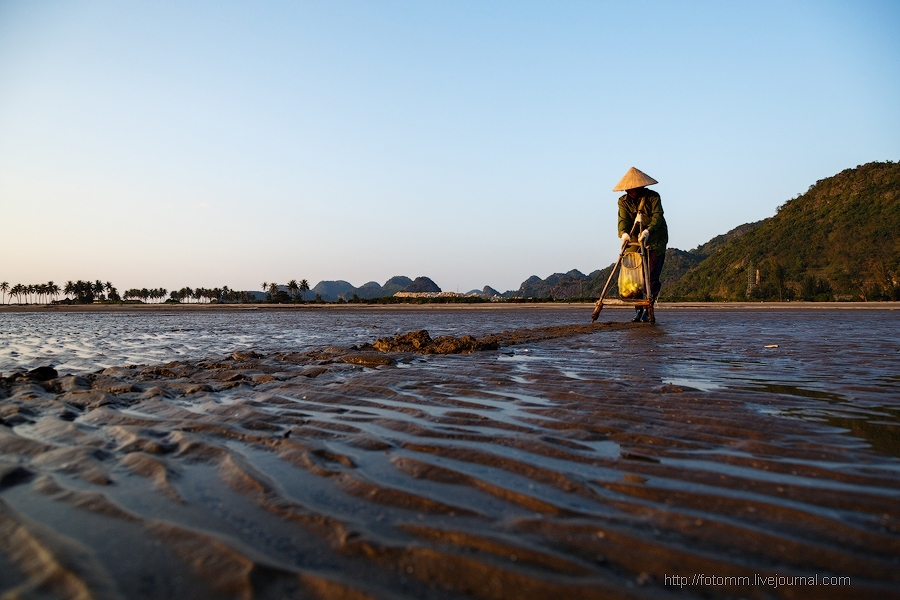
(631, 276)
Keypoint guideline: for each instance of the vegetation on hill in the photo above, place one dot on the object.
(838, 241)
(717, 242)
(573, 284)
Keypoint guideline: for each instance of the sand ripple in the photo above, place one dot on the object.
(349, 473)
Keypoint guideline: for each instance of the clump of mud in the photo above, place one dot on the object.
(421, 342)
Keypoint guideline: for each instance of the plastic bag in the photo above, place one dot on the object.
(631, 276)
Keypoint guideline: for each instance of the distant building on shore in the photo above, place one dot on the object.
(431, 295)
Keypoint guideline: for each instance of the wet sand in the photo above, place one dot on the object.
(497, 473)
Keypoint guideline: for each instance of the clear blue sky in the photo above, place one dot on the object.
(164, 144)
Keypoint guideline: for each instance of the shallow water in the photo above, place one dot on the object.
(843, 356)
(76, 342)
(585, 466)
(848, 360)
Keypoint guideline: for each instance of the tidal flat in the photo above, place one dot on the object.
(275, 454)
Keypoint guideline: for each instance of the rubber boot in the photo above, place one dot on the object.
(638, 314)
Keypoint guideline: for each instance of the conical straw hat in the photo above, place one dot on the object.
(634, 179)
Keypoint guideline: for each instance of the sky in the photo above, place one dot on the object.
(202, 144)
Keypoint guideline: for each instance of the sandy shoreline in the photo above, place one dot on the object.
(348, 473)
(662, 306)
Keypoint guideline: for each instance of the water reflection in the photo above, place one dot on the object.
(882, 434)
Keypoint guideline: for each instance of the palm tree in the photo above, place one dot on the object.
(4, 287)
(292, 288)
(84, 291)
(98, 289)
(273, 289)
(53, 290)
(303, 288)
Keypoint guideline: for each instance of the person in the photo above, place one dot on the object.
(652, 231)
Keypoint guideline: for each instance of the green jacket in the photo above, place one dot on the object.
(653, 218)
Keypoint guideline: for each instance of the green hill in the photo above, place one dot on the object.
(838, 241)
(717, 242)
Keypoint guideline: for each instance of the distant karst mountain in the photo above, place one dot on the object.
(370, 290)
(332, 291)
(573, 284)
(488, 293)
(422, 284)
(395, 284)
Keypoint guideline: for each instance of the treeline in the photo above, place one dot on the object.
(82, 292)
(295, 291)
(34, 292)
(210, 295)
(89, 292)
(145, 295)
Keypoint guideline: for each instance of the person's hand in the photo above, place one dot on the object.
(625, 237)
(644, 235)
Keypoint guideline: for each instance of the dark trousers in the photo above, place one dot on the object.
(655, 262)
